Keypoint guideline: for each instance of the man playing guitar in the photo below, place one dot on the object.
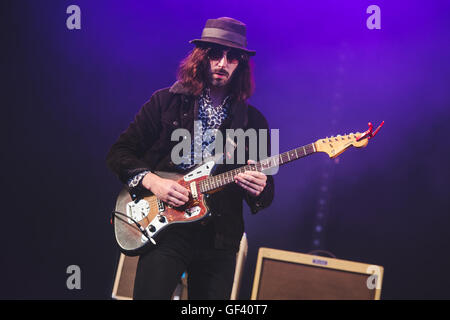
(214, 83)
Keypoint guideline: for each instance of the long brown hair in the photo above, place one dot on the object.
(193, 74)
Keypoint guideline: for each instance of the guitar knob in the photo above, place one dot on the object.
(162, 219)
(152, 228)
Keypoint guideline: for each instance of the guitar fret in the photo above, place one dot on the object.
(228, 177)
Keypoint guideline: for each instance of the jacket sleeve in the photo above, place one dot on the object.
(265, 198)
(125, 156)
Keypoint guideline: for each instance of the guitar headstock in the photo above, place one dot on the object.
(334, 146)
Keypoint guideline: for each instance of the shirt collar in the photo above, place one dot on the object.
(206, 96)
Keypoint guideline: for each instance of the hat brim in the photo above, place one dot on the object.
(223, 43)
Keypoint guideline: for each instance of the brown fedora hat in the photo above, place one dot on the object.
(226, 32)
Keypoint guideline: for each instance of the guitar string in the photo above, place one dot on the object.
(214, 182)
(218, 181)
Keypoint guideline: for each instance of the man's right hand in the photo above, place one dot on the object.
(166, 190)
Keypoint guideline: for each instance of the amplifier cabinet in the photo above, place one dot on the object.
(286, 275)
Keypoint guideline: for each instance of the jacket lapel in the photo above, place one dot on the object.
(238, 117)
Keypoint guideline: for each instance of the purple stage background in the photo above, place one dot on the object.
(319, 71)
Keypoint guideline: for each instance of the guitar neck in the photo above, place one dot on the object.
(220, 180)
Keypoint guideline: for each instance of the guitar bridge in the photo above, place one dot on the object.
(160, 205)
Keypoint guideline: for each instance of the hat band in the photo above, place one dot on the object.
(225, 35)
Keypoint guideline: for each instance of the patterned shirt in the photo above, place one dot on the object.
(209, 117)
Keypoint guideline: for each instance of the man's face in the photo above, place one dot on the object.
(223, 62)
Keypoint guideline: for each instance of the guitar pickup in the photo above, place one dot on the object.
(193, 187)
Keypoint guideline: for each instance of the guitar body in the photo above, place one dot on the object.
(155, 216)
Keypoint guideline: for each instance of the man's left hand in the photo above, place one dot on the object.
(252, 181)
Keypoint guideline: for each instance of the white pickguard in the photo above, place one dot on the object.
(201, 171)
(139, 210)
(157, 224)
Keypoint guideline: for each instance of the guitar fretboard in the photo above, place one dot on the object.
(220, 180)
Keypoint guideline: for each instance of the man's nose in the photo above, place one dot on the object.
(223, 61)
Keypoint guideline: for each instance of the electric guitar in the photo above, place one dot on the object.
(138, 222)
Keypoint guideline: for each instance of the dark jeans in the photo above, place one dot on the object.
(186, 247)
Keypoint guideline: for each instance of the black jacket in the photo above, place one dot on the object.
(146, 145)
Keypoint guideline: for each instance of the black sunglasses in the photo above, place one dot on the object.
(233, 56)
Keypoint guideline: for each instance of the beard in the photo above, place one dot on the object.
(219, 78)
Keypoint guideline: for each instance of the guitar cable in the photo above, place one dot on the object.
(141, 229)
